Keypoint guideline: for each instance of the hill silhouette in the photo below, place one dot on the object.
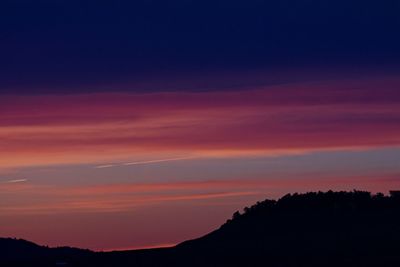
(19, 252)
(313, 229)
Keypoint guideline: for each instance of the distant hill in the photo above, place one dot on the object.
(19, 252)
(315, 229)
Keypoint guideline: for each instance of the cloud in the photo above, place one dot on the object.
(274, 120)
(25, 199)
(34, 199)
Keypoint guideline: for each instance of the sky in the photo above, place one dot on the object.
(138, 124)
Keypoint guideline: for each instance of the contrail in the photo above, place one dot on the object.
(105, 166)
(154, 161)
(16, 181)
(141, 162)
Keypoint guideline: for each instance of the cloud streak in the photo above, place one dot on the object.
(33, 199)
(29, 199)
(273, 120)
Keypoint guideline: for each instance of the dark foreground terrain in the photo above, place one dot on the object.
(315, 229)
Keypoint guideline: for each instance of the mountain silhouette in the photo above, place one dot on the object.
(314, 229)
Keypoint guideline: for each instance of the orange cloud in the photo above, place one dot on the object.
(34, 199)
(27, 198)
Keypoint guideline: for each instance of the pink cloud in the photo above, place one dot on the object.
(34, 199)
(28, 198)
(100, 128)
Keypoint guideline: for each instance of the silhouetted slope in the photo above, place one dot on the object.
(315, 229)
(19, 252)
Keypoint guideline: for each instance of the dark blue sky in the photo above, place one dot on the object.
(65, 46)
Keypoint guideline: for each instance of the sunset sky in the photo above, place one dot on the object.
(134, 124)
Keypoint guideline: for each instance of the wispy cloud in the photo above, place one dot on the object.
(291, 118)
(29, 198)
(34, 199)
